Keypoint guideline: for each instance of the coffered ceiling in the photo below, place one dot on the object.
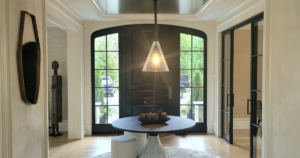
(196, 10)
(147, 6)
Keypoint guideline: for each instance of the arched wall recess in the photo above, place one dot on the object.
(28, 56)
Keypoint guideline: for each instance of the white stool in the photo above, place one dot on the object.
(141, 139)
(123, 147)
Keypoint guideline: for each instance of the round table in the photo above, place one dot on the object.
(153, 147)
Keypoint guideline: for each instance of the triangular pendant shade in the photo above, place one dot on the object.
(156, 61)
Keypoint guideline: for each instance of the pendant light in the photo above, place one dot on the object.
(156, 61)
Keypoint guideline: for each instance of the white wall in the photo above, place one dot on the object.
(24, 127)
(282, 52)
(207, 27)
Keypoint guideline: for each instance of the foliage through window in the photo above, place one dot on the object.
(106, 72)
(192, 77)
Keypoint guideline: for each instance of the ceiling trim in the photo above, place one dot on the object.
(70, 9)
(229, 11)
(95, 6)
(257, 7)
(207, 7)
(184, 17)
(53, 10)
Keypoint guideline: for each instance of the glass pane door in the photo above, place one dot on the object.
(256, 90)
(105, 85)
(227, 88)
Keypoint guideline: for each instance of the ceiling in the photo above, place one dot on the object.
(102, 10)
(147, 6)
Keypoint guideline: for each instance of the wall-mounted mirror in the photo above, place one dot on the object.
(29, 63)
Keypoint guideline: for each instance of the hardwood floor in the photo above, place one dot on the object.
(90, 146)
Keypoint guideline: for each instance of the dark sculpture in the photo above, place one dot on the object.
(56, 101)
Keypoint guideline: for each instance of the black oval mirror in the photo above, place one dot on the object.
(30, 73)
(29, 63)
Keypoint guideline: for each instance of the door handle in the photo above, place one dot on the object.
(248, 107)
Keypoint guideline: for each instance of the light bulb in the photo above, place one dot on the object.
(156, 59)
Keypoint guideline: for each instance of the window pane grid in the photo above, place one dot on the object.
(190, 105)
(106, 70)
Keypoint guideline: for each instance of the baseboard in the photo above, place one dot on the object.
(63, 126)
(241, 123)
(88, 129)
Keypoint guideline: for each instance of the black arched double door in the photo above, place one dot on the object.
(135, 91)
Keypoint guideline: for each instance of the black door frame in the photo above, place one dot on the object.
(251, 21)
(125, 107)
(254, 90)
(231, 95)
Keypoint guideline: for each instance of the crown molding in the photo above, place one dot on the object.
(69, 9)
(235, 7)
(207, 7)
(247, 13)
(183, 17)
(95, 6)
(53, 10)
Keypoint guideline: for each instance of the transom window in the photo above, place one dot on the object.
(106, 73)
(192, 77)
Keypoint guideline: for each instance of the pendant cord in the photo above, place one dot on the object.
(155, 17)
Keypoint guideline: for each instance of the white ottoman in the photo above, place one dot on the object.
(141, 139)
(123, 147)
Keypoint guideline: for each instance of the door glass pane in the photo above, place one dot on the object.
(198, 60)
(100, 60)
(100, 43)
(186, 111)
(260, 26)
(185, 78)
(226, 123)
(259, 72)
(197, 80)
(113, 113)
(101, 114)
(112, 60)
(198, 43)
(198, 113)
(226, 71)
(113, 42)
(112, 78)
(226, 54)
(113, 96)
(185, 60)
(257, 142)
(197, 96)
(100, 96)
(100, 78)
(186, 95)
(185, 42)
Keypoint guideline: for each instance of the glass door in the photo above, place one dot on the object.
(256, 90)
(105, 81)
(227, 86)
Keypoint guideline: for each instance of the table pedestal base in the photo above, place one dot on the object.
(153, 148)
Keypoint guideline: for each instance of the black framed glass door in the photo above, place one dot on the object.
(256, 90)
(227, 86)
